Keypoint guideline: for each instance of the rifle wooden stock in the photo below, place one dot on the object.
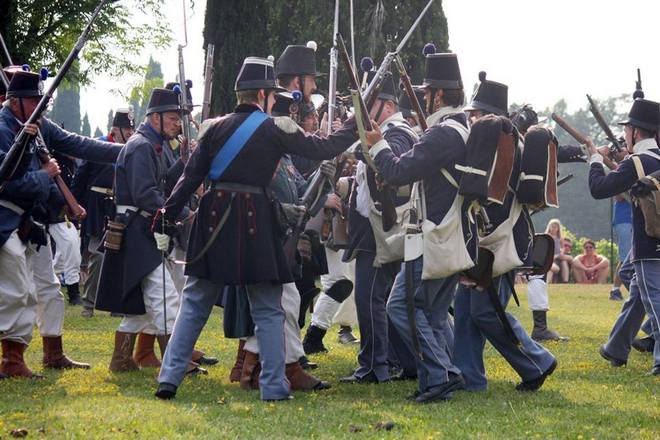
(616, 144)
(582, 139)
(407, 87)
(77, 211)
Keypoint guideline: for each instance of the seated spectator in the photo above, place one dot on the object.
(560, 270)
(589, 267)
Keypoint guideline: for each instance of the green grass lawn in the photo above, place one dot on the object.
(585, 398)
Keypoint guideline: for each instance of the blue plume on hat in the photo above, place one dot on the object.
(189, 83)
(176, 89)
(638, 94)
(25, 67)
(297, 96)
(43, 73)
(366, 64)
(429, 49)
(482, 76)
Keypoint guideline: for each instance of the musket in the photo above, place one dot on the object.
(22, 139)
(332, 77)
(639, 92)
(582, 139)
(371, 93)
(616, 145)
(208, 81)
(408, 88)
(6, 51)
(388, 207)
(183, 97)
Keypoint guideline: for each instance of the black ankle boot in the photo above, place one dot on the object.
(313, 342)
(73, 291)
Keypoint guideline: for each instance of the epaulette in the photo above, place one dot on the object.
(287, 125)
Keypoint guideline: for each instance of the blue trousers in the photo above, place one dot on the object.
(630, 319)
(380, 343)
(432, 301)
(647, 282)
(476, 322)
(198, 298)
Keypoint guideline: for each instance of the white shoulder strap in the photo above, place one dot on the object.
(460, 128)
(651, 154)
(638, 166)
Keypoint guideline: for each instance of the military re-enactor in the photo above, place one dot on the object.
(440, 148)
(134, 280)
(23, 95)
(92, 187)
(238, 219)
(641, 135)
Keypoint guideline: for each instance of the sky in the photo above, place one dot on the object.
(543, 50)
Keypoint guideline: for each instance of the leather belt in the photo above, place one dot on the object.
(102, 190)
(238, 187)
(123, 209)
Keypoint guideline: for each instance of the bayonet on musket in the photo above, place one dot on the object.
(616, 144)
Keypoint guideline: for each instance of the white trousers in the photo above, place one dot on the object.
(67, 258)
(50, 300)
(153, 322)
(326, 310)
(292, 342)
(537, 293)
(17, 297)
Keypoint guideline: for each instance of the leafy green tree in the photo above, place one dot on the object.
(66, 107)
(140, 95)
(86, 130)
(98, 133)
(379, 26)
(42, 32)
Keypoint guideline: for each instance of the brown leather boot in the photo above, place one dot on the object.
(303, 381)
(192, 369)
(13, 364)
(250, 372)
(144, 354)
(54, 356)
(235, 375)
(122, 357)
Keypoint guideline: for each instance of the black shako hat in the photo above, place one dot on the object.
(644, 114)
(123, 118)
(441, 71)
(171, 85)
(25, 85)
(404, 102)
(490, 97)
(164, 100)
(297, 60)
(389, 91)
(255, 74)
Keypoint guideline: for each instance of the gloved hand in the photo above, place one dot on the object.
(642, 187)
(162, 241)
(293, 213)
(570, 153)
(329, 170)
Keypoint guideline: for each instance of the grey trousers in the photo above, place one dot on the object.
(476, 322)
(647, 282)
(630, 319)
(432, 301)
(199, 297)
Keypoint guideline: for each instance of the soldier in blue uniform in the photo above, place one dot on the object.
(236, 237)
(23, 94)
(134, 280)
(641, 135)
(475, 316)
(380, 345)
(441, 147)
(92, 187)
